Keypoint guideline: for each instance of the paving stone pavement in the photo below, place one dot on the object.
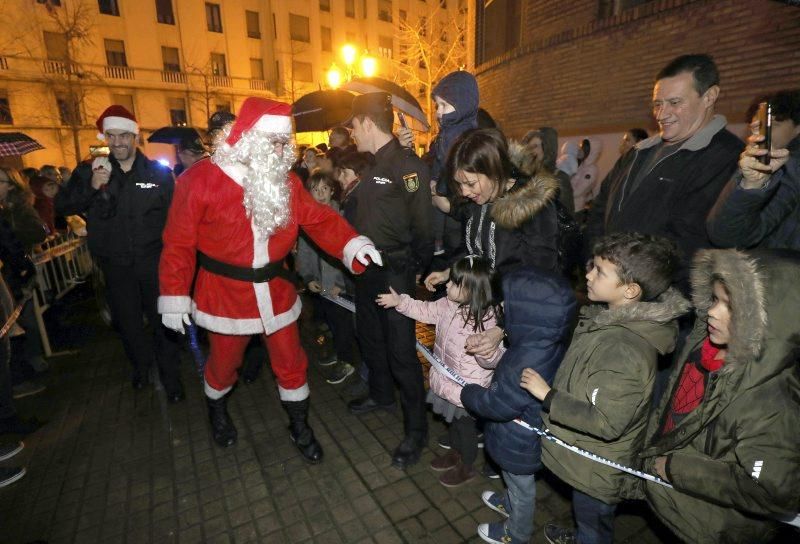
(115, 465)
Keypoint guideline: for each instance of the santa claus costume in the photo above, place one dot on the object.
(237, 216)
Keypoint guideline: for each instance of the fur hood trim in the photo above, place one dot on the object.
(528, 195)
(746, 285)
(667, 306)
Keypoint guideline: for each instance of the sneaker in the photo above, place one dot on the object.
(497, 502)
(559, 535)
(444, 441)
(496, 533)
(488, 471)
(9, 475)
(447, 461)
(458, 475)
(328, 361)
(7, 451)
(341, 373)
(26, 389)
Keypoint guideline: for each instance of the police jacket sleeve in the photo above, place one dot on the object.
(420, 209)
(77, 194)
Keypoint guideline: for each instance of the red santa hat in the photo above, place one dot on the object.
(116, 117)
(263, 115)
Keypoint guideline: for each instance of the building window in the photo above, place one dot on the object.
(443, 3)
(325, 5)
(253, 24)
(164, 13)
(609, 8)
(55, 44)
(177, 112)
(274, 27)
(124, 100)
(256, 68)
(302, 71)
(298, 28)
(403, 15)
(108, 7)
(171, 58)
(385, 10)
(5, 111)
(115, 53)
(325, 38)
(350, 8)
(497, 28)
(218, 67)
(68, 111)
(213, 18)
(385, 45)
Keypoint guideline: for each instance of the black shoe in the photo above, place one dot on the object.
(366, 405)
(301, 433)
(9, 475)
(7, 451)
(408, 452)
(15, 425)
(222, 428)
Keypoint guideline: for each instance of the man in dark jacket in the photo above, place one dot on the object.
(539, 310)
(126, 197)
(760, 207)
(669, 183)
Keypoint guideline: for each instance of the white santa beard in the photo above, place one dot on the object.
(265, 182)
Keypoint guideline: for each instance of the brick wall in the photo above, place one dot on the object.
(584, 75)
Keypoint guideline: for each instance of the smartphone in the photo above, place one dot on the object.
(764, 116)
(402, 118)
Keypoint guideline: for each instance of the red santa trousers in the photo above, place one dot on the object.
(286, 355)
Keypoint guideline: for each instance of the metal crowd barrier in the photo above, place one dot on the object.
(62, 262)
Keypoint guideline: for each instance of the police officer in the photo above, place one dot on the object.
(393, 208)
(125, 198)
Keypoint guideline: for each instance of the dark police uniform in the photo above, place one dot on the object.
(392, 206)
(124, 224)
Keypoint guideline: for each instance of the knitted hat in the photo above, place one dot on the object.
(263, 115)
(116, 117)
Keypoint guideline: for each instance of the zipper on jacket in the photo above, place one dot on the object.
(624, 185)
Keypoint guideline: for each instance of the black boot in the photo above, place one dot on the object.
(222, 427)
(301, 433)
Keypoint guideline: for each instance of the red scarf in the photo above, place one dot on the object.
(692, 384)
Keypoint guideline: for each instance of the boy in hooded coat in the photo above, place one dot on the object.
(539, 310)
(729, 444)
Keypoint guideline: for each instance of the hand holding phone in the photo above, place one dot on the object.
(402, 118)
(764, 117)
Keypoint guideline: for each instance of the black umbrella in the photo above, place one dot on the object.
(401, 99)
(14, 144)
(321, 110)
(173, 135)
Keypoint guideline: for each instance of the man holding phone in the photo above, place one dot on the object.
(760, 206)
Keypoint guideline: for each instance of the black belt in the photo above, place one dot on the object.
(241, 273)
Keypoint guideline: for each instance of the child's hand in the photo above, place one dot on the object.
(336, 291)
(314, 287)
(388, 300)
(534, 383)
(485, 343)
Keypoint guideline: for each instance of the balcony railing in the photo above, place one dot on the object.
(119, 72)
(3, 63)
(173, 77)
(259, 85)
(55, 67)
(221, 81)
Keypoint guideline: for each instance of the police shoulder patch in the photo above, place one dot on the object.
(411, 182)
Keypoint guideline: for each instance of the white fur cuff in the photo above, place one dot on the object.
(174, 305)
(292, 395)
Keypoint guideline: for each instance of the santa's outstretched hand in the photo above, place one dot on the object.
(175, 322)
(370, 251)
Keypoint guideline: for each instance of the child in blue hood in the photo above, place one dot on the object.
(456, 98)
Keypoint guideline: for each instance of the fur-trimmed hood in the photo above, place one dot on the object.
(528, 195)
(765, 298)
(644, 318)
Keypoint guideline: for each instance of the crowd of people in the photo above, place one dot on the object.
(681, 363)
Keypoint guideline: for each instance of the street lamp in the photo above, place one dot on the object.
(367, 66)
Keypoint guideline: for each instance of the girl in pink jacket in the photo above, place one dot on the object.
(468, 309)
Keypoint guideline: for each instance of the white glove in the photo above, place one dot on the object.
(176, 322)
(368, 250)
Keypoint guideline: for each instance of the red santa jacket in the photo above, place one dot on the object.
(208, 215)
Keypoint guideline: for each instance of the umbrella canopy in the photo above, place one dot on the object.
(13, 144)
(401, 98)
(173, 135)
(321, 110)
